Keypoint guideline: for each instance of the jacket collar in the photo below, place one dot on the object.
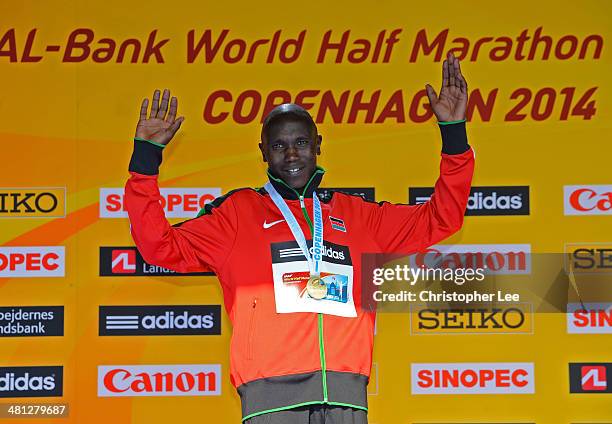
(289, 193)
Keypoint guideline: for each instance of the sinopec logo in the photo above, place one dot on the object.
(589, 318)
(473, 378)
(32, 261)
(494, 258)
(177, 202)
(31, 321)
(593, 377)
(587, 199)
(127, 262)
(162, 320)
(17, 382)
(490, 200)
(508, 319)
(38, 202)
(588, 258)
(159, 380)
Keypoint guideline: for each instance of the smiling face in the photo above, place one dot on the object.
(290, 147)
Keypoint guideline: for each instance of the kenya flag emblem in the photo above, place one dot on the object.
(337, 224)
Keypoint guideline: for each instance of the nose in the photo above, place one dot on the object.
(291, 154)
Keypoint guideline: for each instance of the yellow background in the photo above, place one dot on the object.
(71, 124)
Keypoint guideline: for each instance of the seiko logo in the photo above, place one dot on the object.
(510, 319)
(503, 200)
(159, 380)
(30, 381)
(33, 202)
(160, 320)
(588, 258)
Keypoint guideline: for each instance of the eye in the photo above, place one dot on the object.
(277, 146)
(303, 141)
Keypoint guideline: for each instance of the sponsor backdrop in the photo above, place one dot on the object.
(86, 322)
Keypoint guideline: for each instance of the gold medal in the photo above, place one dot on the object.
(316, 288)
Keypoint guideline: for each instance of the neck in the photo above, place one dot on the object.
(291, 193)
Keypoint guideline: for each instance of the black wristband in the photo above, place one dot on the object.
(454, 138)
(146, 158)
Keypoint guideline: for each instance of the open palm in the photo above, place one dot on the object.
(451, 104)
(161, 125)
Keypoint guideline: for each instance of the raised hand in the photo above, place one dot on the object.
(159, 127)
(451, 104)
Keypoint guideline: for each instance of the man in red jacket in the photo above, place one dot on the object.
(289, 261)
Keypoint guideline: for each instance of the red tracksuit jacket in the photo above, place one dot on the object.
(284, 360)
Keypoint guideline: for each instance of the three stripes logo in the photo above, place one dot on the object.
(290, 252)
(160, 320)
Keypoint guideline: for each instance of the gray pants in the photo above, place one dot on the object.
(313, 414)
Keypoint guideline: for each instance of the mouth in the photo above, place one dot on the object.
(294, 171)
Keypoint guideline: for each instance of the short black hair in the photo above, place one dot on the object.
(289, 111)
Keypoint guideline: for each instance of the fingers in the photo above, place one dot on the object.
(163, 108)
(143, 109)
(431, 95)
(444, 73)
(154, 104)
(172, 129)
(173, 108)
(451, 69)
(462, 81)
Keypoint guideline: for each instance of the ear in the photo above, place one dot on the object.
(319, 141)
(263, 152)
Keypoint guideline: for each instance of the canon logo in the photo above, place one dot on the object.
(588, 199)
(473, 378)
(159, 380)
(494, 258)
(31, 381)
(37, 261)
(177, 202)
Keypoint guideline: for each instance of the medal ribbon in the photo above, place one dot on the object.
(298, 234)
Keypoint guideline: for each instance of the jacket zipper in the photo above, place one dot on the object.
(320, 315)
(251, 329)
